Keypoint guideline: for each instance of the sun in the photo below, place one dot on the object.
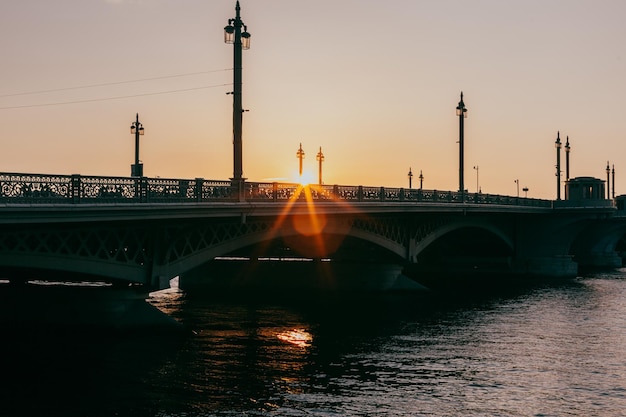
(306, 178)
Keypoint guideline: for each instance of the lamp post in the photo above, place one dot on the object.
(320, 159)
(461, 111)
(567, 150)
(477, 185)
(410, 175)
(300, 156)
(517, 183)
(608, 182)
(557, 145)
(241, 40)
(613, 182)
(421, 177)
(136, 128)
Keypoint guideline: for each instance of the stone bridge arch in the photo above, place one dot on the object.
(597, 244)
(429, 232)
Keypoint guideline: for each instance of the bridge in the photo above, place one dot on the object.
(134, 234)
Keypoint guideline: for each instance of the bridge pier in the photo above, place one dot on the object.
(296, 277)
(599, 260)
(558, 266)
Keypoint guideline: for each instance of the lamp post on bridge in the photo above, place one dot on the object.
(320, 159)
(517, 183)
(608, 181)
(557, 145)
(421, 177)
(241, 40)
(300, 156)
(410, 175)
(136, 128)
(613, 182)
(461, 111)
(567, 151)
(477, 184)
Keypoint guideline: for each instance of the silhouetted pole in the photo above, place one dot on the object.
(240, 40)
(567, 149)
(421, 177)
(410, 175)
(136, 128)
(525, 190)
(300, 156)
(517, 183)
(477, 185)
(557, 145)
(608, 181)
(320, 159)
(613, 183)
(461, 111)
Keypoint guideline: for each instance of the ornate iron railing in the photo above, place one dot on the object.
(78, 189)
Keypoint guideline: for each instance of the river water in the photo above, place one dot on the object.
(548, 349)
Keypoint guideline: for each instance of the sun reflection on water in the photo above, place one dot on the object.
(297, 337)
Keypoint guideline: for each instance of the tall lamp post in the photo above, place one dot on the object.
(320, 159)
(136, 128)
(421, 177)
(461, 111)
(410, 175)
(567, 150)
(300, 156)
(477, 184)
(613, 182)
(517, 183)
(241, 40)
(557, 145)
(608, 181)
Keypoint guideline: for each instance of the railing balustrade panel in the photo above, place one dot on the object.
(107, 189)
(76, 189)
(35, 188)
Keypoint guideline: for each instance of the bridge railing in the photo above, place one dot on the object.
(78, 189)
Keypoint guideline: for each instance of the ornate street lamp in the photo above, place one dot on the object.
(136, 128)
(421, 177)
(608, 181)
(557, 145)
(477, 184)
(613, 182)
(320, 159)
(300, 156)
(461, 111)
(567, 150)
(410, 175)
(233, 34)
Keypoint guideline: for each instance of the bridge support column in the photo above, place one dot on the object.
(599, 260)
(559, 266)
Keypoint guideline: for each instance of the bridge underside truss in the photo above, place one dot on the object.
(150, 252)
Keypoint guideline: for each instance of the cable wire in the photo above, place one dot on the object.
(111, 83)
(113, 98)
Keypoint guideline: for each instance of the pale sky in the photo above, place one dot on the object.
(374, 83)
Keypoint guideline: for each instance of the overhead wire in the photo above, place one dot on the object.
(60, 103)
(111, 83)
(113, 98)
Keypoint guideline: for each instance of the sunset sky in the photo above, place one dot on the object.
(374, 83)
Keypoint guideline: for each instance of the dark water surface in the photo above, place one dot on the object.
(554, 349)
